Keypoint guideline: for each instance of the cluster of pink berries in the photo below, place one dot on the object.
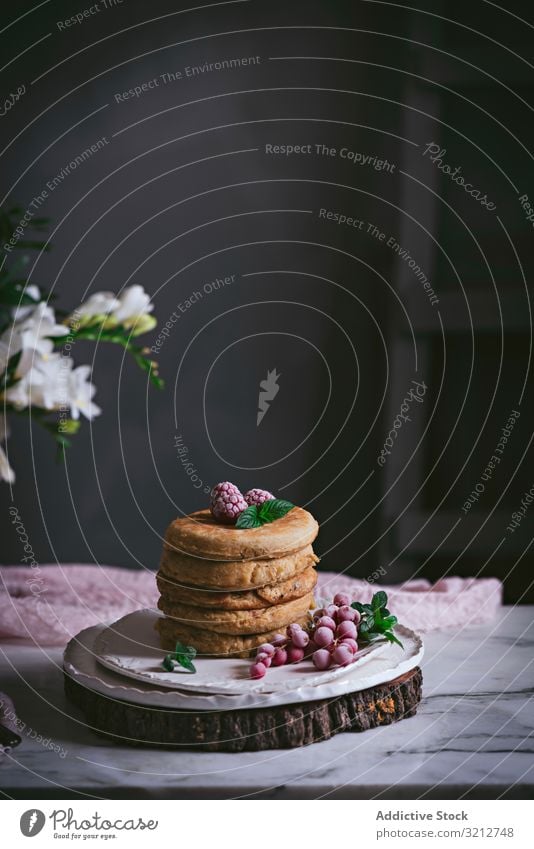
(227, 502)
(331, 640)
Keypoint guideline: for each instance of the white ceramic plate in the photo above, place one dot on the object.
(81, 664)
(130, 648)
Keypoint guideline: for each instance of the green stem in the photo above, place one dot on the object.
(118, 337)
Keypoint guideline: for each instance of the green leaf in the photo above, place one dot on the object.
(391, 638)
(190, 651)
(380, 599)
(185, 661)
(274, 509)
(357, 605)
(183, 656)
(168, 663)
(249, 518)
(9, 375)
(368, 608)
(389, 622)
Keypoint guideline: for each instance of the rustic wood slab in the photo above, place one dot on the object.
(248, 730)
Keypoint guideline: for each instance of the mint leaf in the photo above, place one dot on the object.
(249, 518)
(389, 622)
(274, 509)
(182, 655)
(391, 638)
(190, 651)
(185, 661)
(357, 605)
(380, 599)
(269, 511)
(168, 663)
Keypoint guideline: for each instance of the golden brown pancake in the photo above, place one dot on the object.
(201, 536)
(209, 643)
(280, 593)
(237, 575)
(237, 621)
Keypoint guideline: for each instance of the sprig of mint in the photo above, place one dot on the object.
(376, 621)
(181, 656)
(269, 511)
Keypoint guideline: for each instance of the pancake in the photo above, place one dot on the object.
(201, 536)
(209, 643)
(280, 593)
(237, 621)
(236, 575)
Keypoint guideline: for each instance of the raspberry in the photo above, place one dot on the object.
(258, 496)
(226, 502)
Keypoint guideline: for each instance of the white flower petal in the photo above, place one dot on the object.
(6, 472)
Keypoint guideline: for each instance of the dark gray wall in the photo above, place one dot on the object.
(185, 193)
(130, 214)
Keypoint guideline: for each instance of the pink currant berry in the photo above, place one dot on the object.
(342, 655)
(341, 599)
(331, 610)
(300, 639)
(279, 657)
(279, 640)
(321, 659)
(346, 614)
(323, 637)
(348, 641)
(226, 503)
(357, 617)
(346, 629)
(257, 496)
(264, 658)
(293, 629)
(257, 670)
(266, 648)
(294, 654)
(326, 622)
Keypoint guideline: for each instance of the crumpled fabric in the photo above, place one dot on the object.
(51, 604)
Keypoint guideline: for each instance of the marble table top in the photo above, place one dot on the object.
(473, 736)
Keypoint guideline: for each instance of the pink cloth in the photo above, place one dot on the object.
(51, 604)
(418, 604)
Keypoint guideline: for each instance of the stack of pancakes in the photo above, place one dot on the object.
(225, 591)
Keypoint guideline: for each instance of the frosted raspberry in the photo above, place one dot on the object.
(258, 496)
(226, 502)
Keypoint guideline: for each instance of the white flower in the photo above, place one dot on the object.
(31, 335)
(35, 329)
(45, 384)
(81, 393)
(6, 472)
(133, 303)
(20, 312)
(53, 383)
(100, 303)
